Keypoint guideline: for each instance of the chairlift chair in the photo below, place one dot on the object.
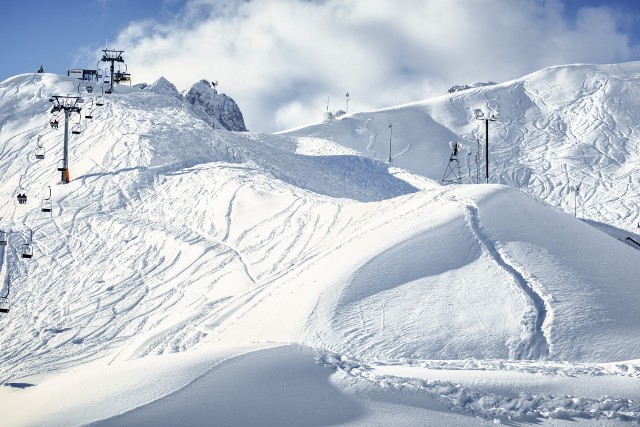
(88, 114)
(61, 166)
(99, 101)
(22, 193)
(4, 305)
(3, 238)
(125, 77)
(46, 204)
(27, 250)
(75, 129)
(39, 153)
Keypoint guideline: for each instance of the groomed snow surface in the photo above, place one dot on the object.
(190, 276)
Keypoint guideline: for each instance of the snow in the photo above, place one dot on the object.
(189, 274)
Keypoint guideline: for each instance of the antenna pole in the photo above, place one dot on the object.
(491, 117)
(486, 145)
(214, 84)
(478, 161)
(390, 129)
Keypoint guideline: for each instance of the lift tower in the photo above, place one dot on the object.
(112, 56)
(68, 104)
(453, 174)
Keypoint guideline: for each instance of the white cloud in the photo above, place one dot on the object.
(280, 59)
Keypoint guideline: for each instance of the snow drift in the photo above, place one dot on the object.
(174, 237)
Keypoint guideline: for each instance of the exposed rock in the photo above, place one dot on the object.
(213, 107)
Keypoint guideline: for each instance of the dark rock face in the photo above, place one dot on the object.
(205, 102)
(213, 107)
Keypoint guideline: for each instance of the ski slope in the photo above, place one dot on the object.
(179, 256)
(558, 128)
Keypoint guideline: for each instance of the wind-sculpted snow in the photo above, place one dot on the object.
(173, 237)
(166, 225)
(562, 127)
(588, 282)
(534, 345)
(494, 400)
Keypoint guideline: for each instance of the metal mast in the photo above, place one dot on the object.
(112, 56)
(70, 105)
(390, 133)
(214, 84)
(492, 117)
(452, 173)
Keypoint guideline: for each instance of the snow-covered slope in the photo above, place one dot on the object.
(173, 237)
(204, 101)
(561, 127)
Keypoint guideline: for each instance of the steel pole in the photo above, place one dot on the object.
(65, 149)
(111, 77)
(390, 143)
(486, 151)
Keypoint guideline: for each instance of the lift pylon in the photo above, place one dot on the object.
(112, 56)
(68, 104)
(453, 173)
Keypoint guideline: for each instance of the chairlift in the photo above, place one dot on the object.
(54, 123)
(61, 166)
(4, 304)
(22, 193)
(3, 238)
(75, 129)
(46, 204)
(125, 77)
(88, 114)
(27, 250)
(39, 150)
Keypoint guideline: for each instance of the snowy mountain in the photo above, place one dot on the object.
(297, 279)
(560, 128)
(206, 102)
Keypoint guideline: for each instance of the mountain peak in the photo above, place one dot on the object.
(164, 87)
(213, 107)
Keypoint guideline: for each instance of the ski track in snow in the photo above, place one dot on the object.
(153, 250)
(536, 346)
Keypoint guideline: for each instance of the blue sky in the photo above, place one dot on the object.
(55, 33)
(281, 59)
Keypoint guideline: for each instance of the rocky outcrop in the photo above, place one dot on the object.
(204, 101)
(213, 107)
